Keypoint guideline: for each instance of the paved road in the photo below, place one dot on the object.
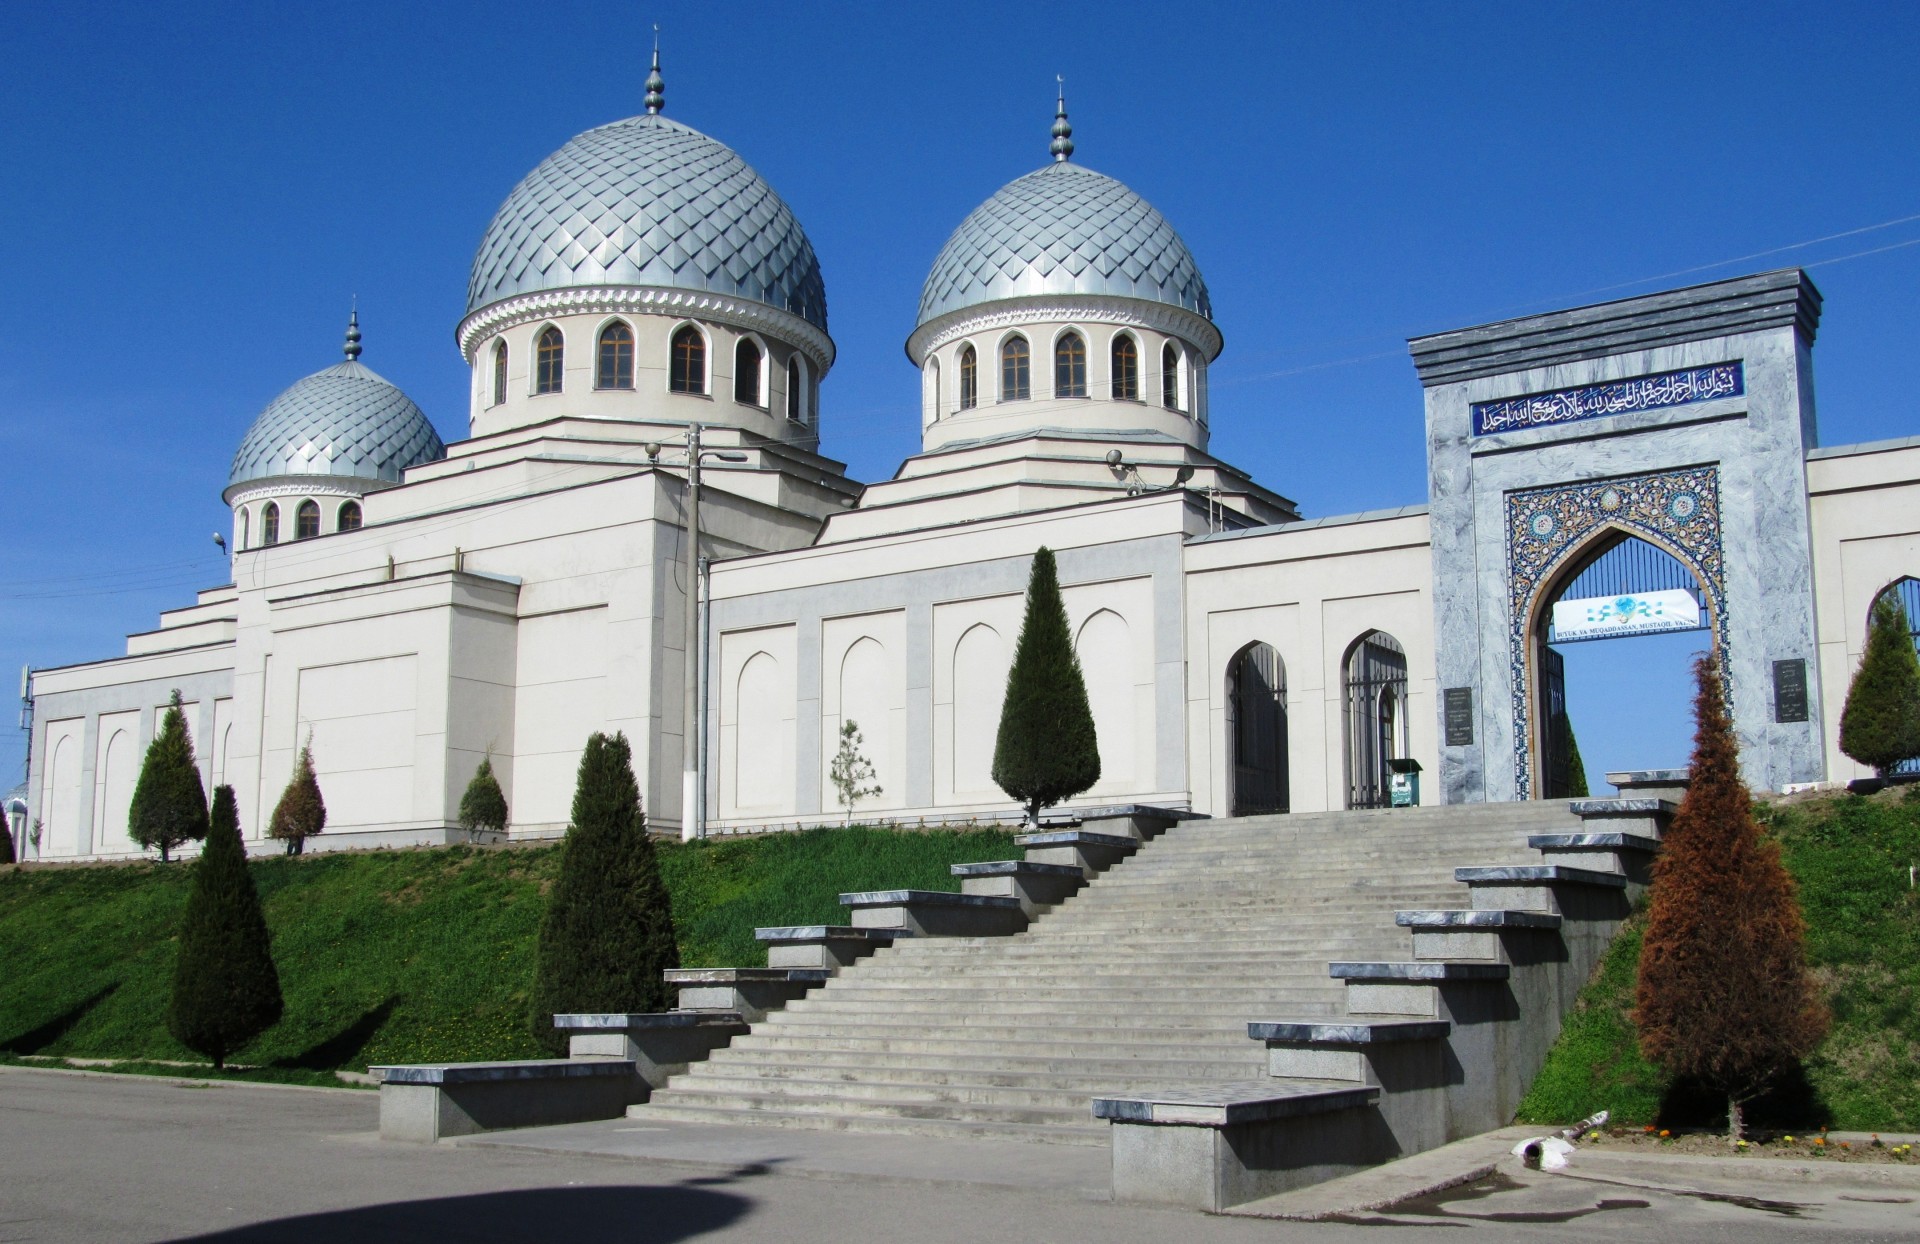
(99, 1158)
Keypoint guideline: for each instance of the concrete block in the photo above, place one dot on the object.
(1034, 885)
(1088, 851)
(749, 992)
(426, 1103)
(659, 1045)
(827, 947)
(936, 913)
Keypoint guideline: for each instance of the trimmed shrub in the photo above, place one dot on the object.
(7, 852)
(226, 991)
(1046, 750)
(301, 812)
(169, 803)
(1880, 725)
(1724, 995)
(608, 933)
(484, 805)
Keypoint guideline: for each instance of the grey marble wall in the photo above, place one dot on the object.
(1755, 441)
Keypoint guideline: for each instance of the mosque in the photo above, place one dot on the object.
(644, 300)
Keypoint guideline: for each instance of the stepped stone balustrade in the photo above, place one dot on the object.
(1090, 852)
(1630, 855)
(658, 1044)
(1642, 815)
(749, 992)
(828, 947)
(1035, 886)
(936, 913)
(1139, 821)
(427, 1102)
(1668, 784)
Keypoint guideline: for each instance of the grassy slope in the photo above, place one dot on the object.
(1850, 856)
(402, 956)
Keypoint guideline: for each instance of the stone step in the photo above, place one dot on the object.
(1037, 1093)
(1090, 1133)
(872, 1108)
(1227, 1040)
(978, 1068)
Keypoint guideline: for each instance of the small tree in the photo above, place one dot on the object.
(1046, 750)
(1880, 725)
(1724, 994)
(8, 854)
(852, 771)
(225, 989)
(608, 933)
(484, 805)
(301, 812)
(169, 803)
(1576, 768)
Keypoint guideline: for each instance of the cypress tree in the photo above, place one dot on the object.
(484, 805)
(1880, 725)
(608, 933)
(169, 803)
(8, 854)
(1724, 994)
(1046, 750)
(1576, 767)
(301, 812)
(225, 989)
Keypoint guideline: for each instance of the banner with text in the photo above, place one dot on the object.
(1643, 613)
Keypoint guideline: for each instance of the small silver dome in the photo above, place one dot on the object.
(648, 201)
(344, 421)
(1063, 229)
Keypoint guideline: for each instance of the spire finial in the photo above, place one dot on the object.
(1062, 146)
(353, 331)
(656, 85)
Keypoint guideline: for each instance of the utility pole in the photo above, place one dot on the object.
(692, 786)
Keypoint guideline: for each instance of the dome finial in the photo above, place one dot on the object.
(656, 85)
(1062, 146)
(353, 331)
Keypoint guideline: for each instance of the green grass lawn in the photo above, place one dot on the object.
(1850, 856)
(401, 956)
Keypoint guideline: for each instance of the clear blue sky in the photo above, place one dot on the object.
(189, 195)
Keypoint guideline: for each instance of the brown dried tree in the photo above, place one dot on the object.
(1724, 993)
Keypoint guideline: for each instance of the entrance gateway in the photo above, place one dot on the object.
(1681, 420)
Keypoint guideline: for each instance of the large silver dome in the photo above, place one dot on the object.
(344, 421)
(648, 201)
(1063, 229)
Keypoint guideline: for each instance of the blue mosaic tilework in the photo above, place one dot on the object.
(1546, 527)
(1619, 397)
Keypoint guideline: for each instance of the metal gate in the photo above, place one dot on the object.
(1375, 712)
(1257, 731)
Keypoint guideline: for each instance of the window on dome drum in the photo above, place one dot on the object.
(550, 356)
(1170, 377)
(688, 371)
(746, 373)
(1126, 369)
(270, 524)
(614, 368)
(306, 520)
(969, 379)
(1016, 381)
(793, 390)
(349, 517)
(1070, 366)
(499, 372)
(246, 529)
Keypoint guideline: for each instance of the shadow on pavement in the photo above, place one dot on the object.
(653, 1214)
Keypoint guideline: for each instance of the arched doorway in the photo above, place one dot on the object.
(1632, 696)
(1257, 730)
(1374, 704)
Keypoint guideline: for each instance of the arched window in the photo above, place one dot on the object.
(1376, 730)
(931, 393)
(246, 528)
(306, 520)
(614, 367)
(1070, 366)
(688, 370)
(1170, 377)
(550, 355)
(746, 373)
(1016, 379)
(499, 372)
(1257, 730)
(1126, 369)
(349, 517)
(969, 378)
(270, 524)
(795, 411)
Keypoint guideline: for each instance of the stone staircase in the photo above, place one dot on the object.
(1140, 984)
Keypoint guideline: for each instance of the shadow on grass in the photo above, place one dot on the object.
(33, 1040)
(667, 1214)
(1792, 1103)
(338, 1050)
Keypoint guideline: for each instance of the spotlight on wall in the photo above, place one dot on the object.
(220, 540)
